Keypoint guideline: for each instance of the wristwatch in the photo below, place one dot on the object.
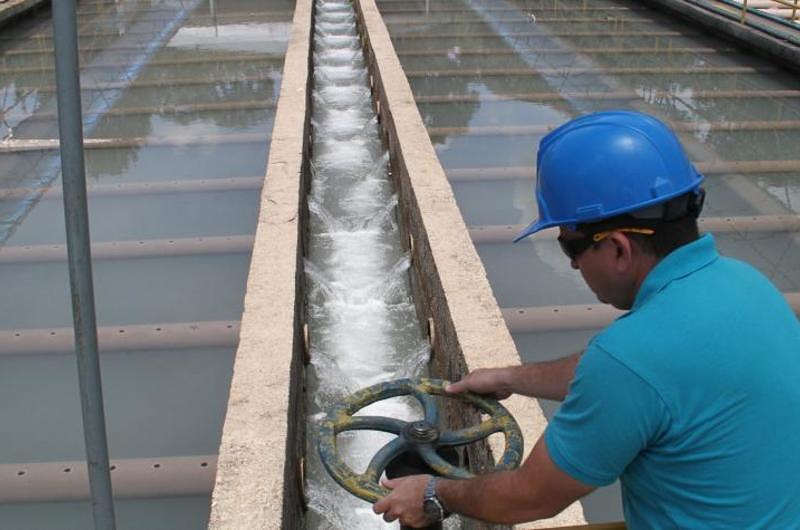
(431, 505)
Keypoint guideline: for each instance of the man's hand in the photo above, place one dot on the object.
(494, 382)
(404, 502)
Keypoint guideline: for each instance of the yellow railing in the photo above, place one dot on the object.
(794, 5)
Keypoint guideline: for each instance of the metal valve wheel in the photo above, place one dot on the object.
(422, 437)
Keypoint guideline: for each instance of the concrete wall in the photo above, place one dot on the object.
(13, 9)
(259, 474)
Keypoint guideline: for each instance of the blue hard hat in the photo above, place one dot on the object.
(606, 164)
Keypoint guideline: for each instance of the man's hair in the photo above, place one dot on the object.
(669, 235)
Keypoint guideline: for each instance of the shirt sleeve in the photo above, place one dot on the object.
(609, 416)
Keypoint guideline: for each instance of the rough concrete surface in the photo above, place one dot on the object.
(13, 8)
(482, 335)
(260, 431)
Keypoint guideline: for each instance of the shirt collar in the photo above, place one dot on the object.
(680, 262)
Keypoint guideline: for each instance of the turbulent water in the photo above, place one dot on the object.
(363, 326)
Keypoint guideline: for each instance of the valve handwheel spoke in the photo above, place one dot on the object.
(470, 434)
(430, 407)
(372, 423)
(442, 467)
(422, 437)
(383, 458)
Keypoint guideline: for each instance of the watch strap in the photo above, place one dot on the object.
(430, 497)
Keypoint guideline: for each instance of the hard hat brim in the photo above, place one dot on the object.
(535, 226)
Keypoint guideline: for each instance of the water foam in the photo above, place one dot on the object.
(363, 325)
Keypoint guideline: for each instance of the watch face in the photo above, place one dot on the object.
(432, 510)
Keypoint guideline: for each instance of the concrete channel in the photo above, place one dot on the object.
(463, 90)
(466, 327)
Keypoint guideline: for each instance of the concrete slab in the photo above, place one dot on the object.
(10, 9)
(259, 478)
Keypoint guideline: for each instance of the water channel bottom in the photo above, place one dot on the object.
(363, 326)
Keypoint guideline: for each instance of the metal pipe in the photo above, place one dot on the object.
(170, 476)
(558, 96)
(227, 106)
(48, 144)
(534, 35)
(126, 48)
(142, 188)
(225, 333)
(445, 9)
(439, 52)
(80, 262)
(93, 36)
(214, 245)
(156, 83)
(574, 317)
(140, 248)
(622, 70)
(515, 130)
(521, 20)
(236, 15)
(139, 337)
(172, 62)
(741, 225)
(483, 174)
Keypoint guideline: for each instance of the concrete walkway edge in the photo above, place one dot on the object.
(259, 475)
(13, 8)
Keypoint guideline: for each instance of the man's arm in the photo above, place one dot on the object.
(547, 380)
(536, 490)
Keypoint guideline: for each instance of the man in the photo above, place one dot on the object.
(691, 398)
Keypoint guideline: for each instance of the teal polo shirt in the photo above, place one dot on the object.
(692, 399)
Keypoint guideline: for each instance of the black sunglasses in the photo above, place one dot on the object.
(575, 247)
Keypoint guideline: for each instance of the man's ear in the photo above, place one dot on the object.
(623, 251)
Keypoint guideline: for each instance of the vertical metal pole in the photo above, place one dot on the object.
(76, 215)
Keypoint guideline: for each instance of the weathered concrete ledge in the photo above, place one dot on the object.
(450, 283)
(701, 13)
(259, 475)
(12, 9)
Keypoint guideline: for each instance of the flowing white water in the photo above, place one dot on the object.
(363, 326)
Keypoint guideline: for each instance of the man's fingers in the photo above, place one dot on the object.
(383, 504)
(456, 388)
